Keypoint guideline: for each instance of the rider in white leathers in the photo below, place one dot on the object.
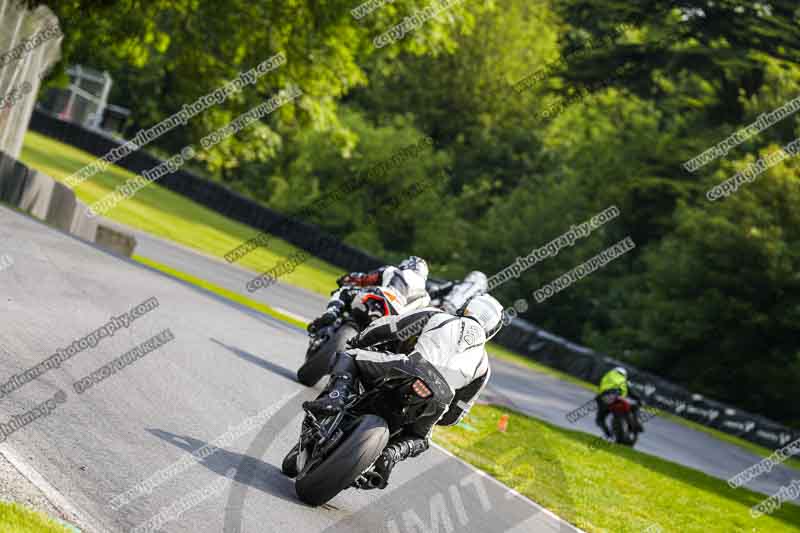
(447, 352)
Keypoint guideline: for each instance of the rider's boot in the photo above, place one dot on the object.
(393, 454)
(339, 388)
(601, 422)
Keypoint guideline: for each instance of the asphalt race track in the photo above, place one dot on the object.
(224, 366)
(534, 393)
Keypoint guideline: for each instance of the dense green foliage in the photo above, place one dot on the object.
(711, 294)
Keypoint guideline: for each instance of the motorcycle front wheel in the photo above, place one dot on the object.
(357, 452)
(289, 465)
(318, 363)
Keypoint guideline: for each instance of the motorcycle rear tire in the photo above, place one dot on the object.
(357, 452)
(623, 431)
(317, 364)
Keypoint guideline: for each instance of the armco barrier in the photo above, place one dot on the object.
(82, 226)
(519, 336)
(37, 194)
(62, 207)
(116, 241)
(14, 179)
(48, 200)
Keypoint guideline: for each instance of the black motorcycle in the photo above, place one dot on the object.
(322, 345)
(339, 452)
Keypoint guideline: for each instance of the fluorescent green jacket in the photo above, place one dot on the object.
(614, 380)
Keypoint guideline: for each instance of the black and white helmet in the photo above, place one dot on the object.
(622, 370)
(415, 264)
(372, 303)
(487, 311)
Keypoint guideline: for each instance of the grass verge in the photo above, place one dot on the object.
(17, 519)
(163, 213)
(605, 488)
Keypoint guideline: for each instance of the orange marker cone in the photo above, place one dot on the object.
(502, 425)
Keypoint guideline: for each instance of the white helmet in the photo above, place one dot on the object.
(622, 371)
(487, 311)
(415, 264)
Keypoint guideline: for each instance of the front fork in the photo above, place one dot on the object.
(321, 337)
(317, 438)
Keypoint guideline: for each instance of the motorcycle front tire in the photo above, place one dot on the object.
(318, 363)
(289, 465)
(357, 452)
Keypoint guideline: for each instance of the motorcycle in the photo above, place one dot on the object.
(338, 452)
(322, 345)
(625, 424)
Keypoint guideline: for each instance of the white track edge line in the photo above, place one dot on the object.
(50, 492)
(522, 497)
(293, 315)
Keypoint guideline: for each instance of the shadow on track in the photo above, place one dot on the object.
(252, 472)
(263, 363)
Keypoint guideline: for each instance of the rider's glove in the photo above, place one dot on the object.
(327, 318)
(360, 279)
(349, 279)
(354, 341)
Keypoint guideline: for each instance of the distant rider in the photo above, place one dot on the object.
(448, 355)
(615, 381)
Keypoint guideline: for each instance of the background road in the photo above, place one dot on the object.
(226, 364)
(537, 394)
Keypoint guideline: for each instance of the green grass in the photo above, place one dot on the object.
(17, 519)
(607, 489)
(165, 214)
